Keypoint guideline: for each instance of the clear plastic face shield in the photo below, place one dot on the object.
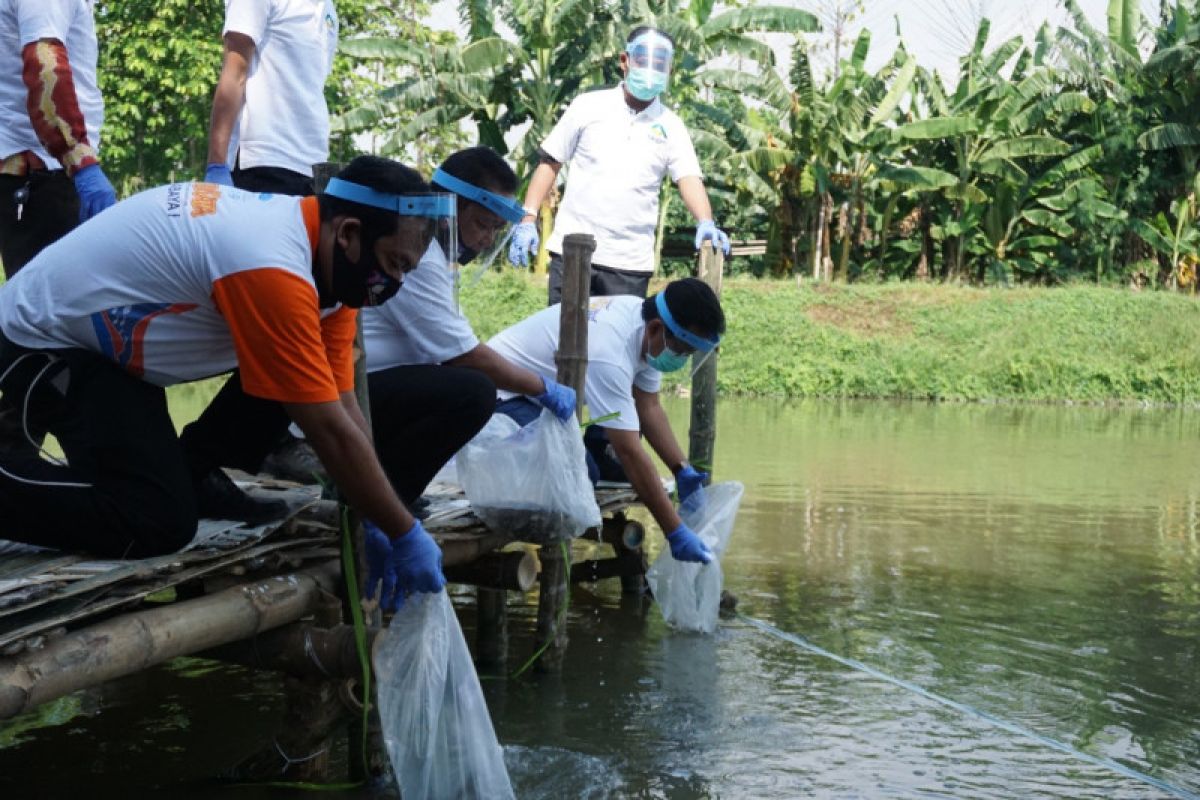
(431, 216)
(700, 347)
(485, 225)
(650, 56)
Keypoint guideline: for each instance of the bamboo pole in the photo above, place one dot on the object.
(515, 570)
(132, 642)
(702, 434)
(571, 360)
(491, 626)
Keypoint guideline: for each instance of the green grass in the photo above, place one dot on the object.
(931, 342)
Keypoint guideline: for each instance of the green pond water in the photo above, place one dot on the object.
(1038, 564)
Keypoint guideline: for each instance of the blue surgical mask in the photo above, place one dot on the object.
(668, 360)
(645, 83)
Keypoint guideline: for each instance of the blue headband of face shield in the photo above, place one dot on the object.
(681, 333)
(506, 208)
(406, 205)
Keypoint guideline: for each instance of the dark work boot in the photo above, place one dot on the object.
(295, 460)
(218, 497)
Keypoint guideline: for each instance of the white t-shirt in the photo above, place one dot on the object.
(284, 121)
(186, 281)
(615, 364)
(26, 21)
(618, 158)
(422, 323)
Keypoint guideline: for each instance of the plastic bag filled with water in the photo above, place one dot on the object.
(690, 594)
(436, 726)
(531, 482)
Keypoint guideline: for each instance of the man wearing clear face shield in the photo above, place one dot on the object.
(432, 382)
(184, 282)
(631, 342)
(620, 143)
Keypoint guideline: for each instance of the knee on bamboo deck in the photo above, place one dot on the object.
(68, 621)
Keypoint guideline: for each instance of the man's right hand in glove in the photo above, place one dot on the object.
(559, 399)
(406, 564)
(687, 546)
(524, 241)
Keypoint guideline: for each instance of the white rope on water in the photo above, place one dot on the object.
(1011, 727)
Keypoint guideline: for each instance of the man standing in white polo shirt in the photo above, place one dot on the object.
(269, 120)
(620, 143)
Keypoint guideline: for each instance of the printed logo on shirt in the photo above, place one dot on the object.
(658, 132)
(174, 200)
(597, 305)
(121, 332)
(204, 199)
(329, 22)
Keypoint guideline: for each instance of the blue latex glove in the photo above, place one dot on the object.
(559, 399)
(706, 229)
(94, 190)
(686, 546)
(219, 174)
(524, 240)
(688, 481)
(411, 563)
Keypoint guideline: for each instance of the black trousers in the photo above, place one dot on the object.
(127, 491)
(50, 212)
(275, 180)
(605, 281)
(235, 430)
(420, 417)
(423, 415)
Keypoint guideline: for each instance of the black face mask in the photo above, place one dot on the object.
(363, 283)
(465, 255)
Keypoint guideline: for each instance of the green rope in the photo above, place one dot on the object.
(350, 571)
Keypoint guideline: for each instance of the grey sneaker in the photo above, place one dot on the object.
(295, 460)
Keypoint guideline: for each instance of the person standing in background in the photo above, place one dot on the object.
(269, 123)
(51, 108)
(620, 143)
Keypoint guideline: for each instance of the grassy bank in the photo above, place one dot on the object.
(932, 342)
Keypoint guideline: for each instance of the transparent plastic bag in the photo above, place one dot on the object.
(689, 594)
(532, 483)
(436, 726)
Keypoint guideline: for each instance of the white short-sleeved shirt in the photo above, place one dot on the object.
(26, 21)
(422, 324)
(617, 159)
(615, 363)
(190, 280)
(284, 121)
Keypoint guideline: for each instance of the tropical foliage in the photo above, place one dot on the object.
(1069, 156)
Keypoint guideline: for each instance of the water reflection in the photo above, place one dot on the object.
(1039, 564)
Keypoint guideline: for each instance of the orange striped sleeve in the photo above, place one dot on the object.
(337, 331)
(277, 332)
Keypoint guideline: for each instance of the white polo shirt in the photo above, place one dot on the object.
(617, 158)
(284, 121)
(615, 364)
(422, 324)
(26, 21)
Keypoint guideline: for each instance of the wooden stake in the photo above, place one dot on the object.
(702, 435)
(491, 625)
(571, 360)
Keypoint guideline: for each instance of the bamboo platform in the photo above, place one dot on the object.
(50, 600)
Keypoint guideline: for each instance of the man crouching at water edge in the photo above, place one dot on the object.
(631, 341)
(187, 281)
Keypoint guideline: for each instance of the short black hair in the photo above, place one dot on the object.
(693, 304)
(382, 175)
(480, 166)
(640, 29)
